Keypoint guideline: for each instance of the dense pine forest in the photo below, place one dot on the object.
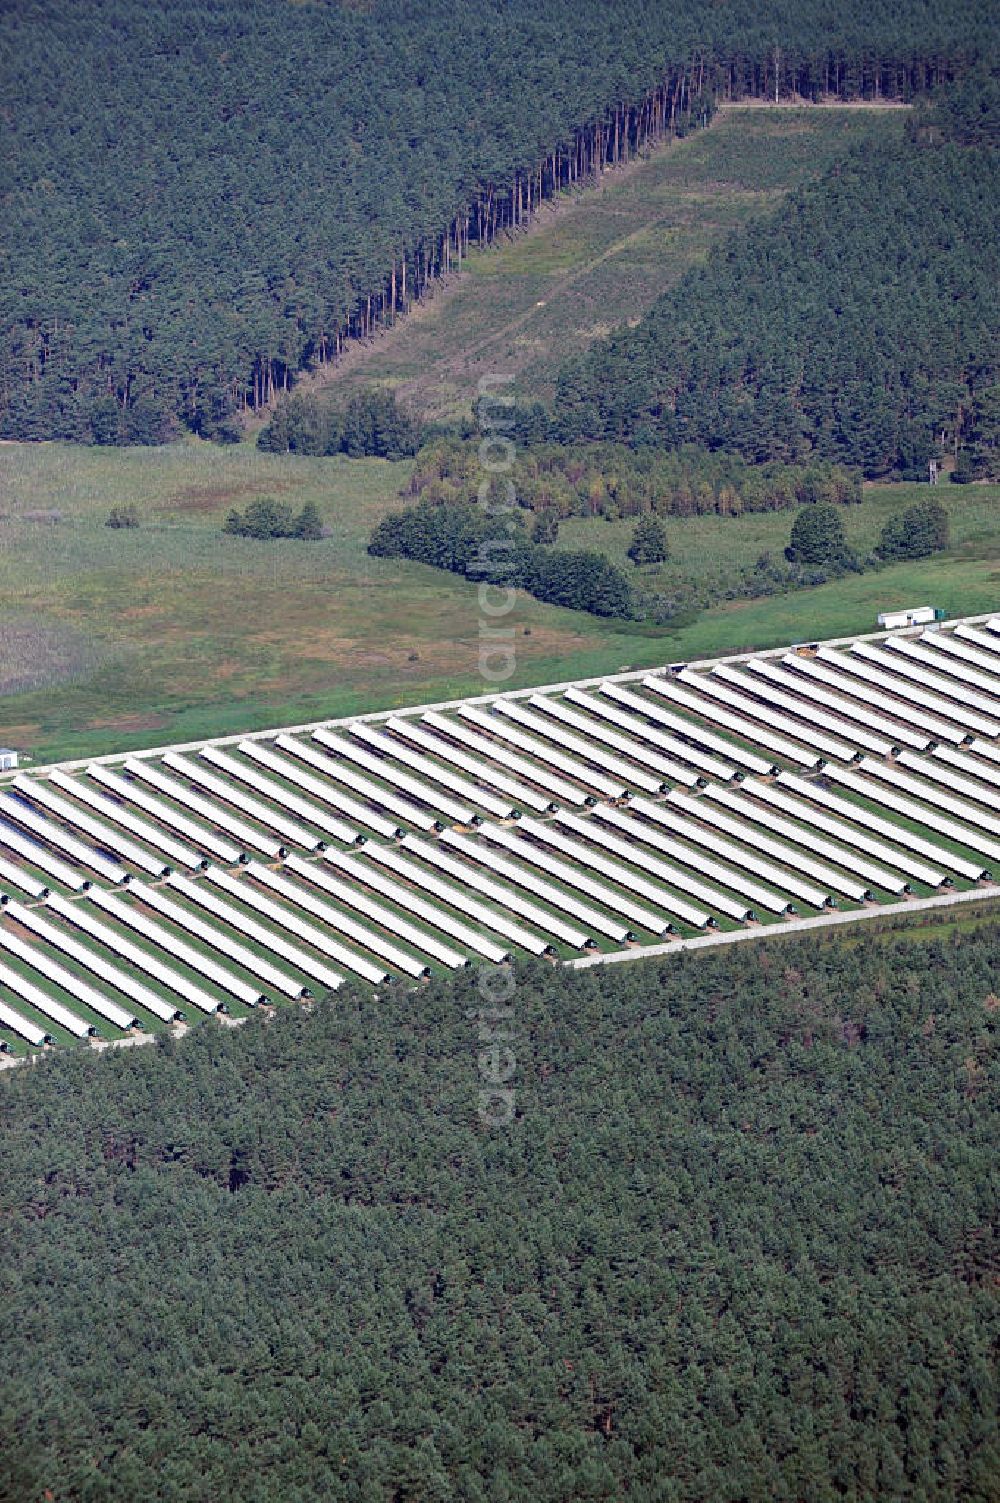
(859, 326)
(202, 199)
(736, 1242)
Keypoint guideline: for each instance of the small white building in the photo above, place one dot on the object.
(918, 615)
(8, 759)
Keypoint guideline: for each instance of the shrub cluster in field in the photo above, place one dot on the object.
(614, 481)
(373, 424)
(452, 533)
(465, 540)
(266, 519)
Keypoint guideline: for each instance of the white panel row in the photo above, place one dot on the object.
(276, 913)
(16, 807)
(385, 918)
(22, 1026)
(666, 771)
(411, 902)
(427, 767)
(111, 939)
(613, 778)
(934, 796)
(688, 750)
(16, 876)
(888, 830)
(123, 981)
(747, 702)
(438, 745)
(497, 725)
(488, 917)
(906, 701)
(840, 826)
(302, 809)
(130, 917)
(527, 771)
(668, 689)
(857, 699)
(204, 842)
(795, 835)
(236, 918)
(951, 644)
(39, 791)
(349, 751)
(920, 815)
(469, 876)
(944, 668)
(742, 724)
(290, 832)
(744, 834)
(520, 876)
(81, 991)
(44, 1004)
(736, 881)
(967, 702)
(323, 792)
(740, 856)
(673, 876)
(362, 934)
(576, 877)
(336, 772)
(935, 693)
(984, 639)
(803, 698)
(107, 805)
(194, 803)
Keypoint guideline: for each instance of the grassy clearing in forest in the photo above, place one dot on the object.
(597, 258)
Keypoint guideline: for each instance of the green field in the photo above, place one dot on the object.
(713, 553)
(598, 258)
(112, 640)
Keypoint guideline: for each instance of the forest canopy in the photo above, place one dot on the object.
(738, 1242)
(858, 326)
(202, 199)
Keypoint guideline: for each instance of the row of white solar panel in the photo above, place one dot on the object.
(861, 701)
(886, 829)
(905, 700)
(665, 770)
(966, 651)
(649, 741)
(919, 665)
(817, 745)
(39, 791)
(323, 791)
(204, 841)
(944, 669)
(869, 789)
(109, 805)
(741, 856)
(735, 724)
(347, 750)
(484, 747)
(303, 810)
(804, 698)
(340, 772)
(461, 900)
(16, 807)
(439, 745)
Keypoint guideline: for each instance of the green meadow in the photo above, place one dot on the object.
(111, 640)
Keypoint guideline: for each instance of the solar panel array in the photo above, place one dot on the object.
(141, 890)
